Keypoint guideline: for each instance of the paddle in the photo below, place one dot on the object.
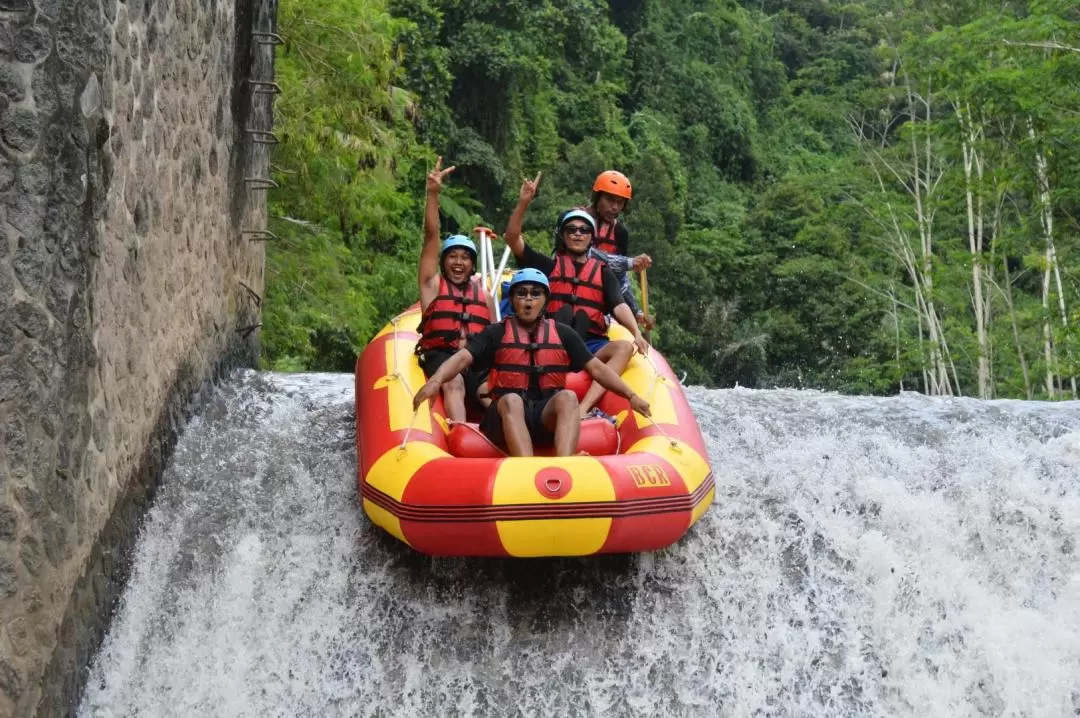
(645, 304)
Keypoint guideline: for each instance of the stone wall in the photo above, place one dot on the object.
(126, 284)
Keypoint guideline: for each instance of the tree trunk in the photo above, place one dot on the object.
(972, 175)
(921, 191)
(896, 325)
(918, 172)
(1007, 294)
(1042, 177)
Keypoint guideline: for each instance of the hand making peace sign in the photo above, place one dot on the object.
(435, 176)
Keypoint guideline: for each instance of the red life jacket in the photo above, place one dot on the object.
(522, 355)
(455, 314)
(581, 286)
(605, 237)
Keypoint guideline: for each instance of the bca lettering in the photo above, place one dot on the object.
(647, 476)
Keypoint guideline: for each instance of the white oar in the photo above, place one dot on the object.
(487, 263)
(483, 260)
(502, 264)
(496, 288)
(491, 260)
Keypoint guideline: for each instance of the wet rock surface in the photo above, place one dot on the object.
(112, 316)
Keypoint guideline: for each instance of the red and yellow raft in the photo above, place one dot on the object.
(444, 490)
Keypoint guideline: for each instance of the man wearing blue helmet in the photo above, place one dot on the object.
(583, 289)
(529, 358)
(454, 303)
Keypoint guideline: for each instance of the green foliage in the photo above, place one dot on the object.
(774, 149)
(347, 162)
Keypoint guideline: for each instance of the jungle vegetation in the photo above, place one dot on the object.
(865, 197)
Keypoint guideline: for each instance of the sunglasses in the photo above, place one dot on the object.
(522, 292)
(578, 229)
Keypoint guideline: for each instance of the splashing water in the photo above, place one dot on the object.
(864, 556)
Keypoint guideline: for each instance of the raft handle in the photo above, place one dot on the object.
(553, 484)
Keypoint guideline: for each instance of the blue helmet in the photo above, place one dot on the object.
(575, 214)
(529, 276)
(459, 240)
(566, 217)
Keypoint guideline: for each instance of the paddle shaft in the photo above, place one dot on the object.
(645, 301)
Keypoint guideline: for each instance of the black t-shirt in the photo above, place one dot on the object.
(483, 344)
(612, 293)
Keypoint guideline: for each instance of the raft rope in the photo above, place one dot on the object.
(397, 375)
(409, 430)
(658, 377)
(673, 442)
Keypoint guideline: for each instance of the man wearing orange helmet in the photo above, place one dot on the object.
(611, 193)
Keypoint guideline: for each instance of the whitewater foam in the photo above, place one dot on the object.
(869, 556)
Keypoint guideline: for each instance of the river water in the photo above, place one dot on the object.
(903, 556)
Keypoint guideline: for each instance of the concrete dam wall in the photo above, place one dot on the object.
(131, 270)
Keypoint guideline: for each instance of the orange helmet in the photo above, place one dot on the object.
(612, 182)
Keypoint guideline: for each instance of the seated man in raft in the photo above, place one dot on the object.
(583, 288)
(530, 357)
(454, 303)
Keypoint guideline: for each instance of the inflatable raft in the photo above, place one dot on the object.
(445, 490)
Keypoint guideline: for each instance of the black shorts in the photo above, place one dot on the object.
(493, 429)
(431, 360)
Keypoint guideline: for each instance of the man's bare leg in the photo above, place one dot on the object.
(560, 416)
(511, 410)
(616, 355)
(453, 394)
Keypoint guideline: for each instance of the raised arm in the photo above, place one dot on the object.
(453, 366)
(607, 378)
(626, 318)
(428, 273)
(517, 218)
